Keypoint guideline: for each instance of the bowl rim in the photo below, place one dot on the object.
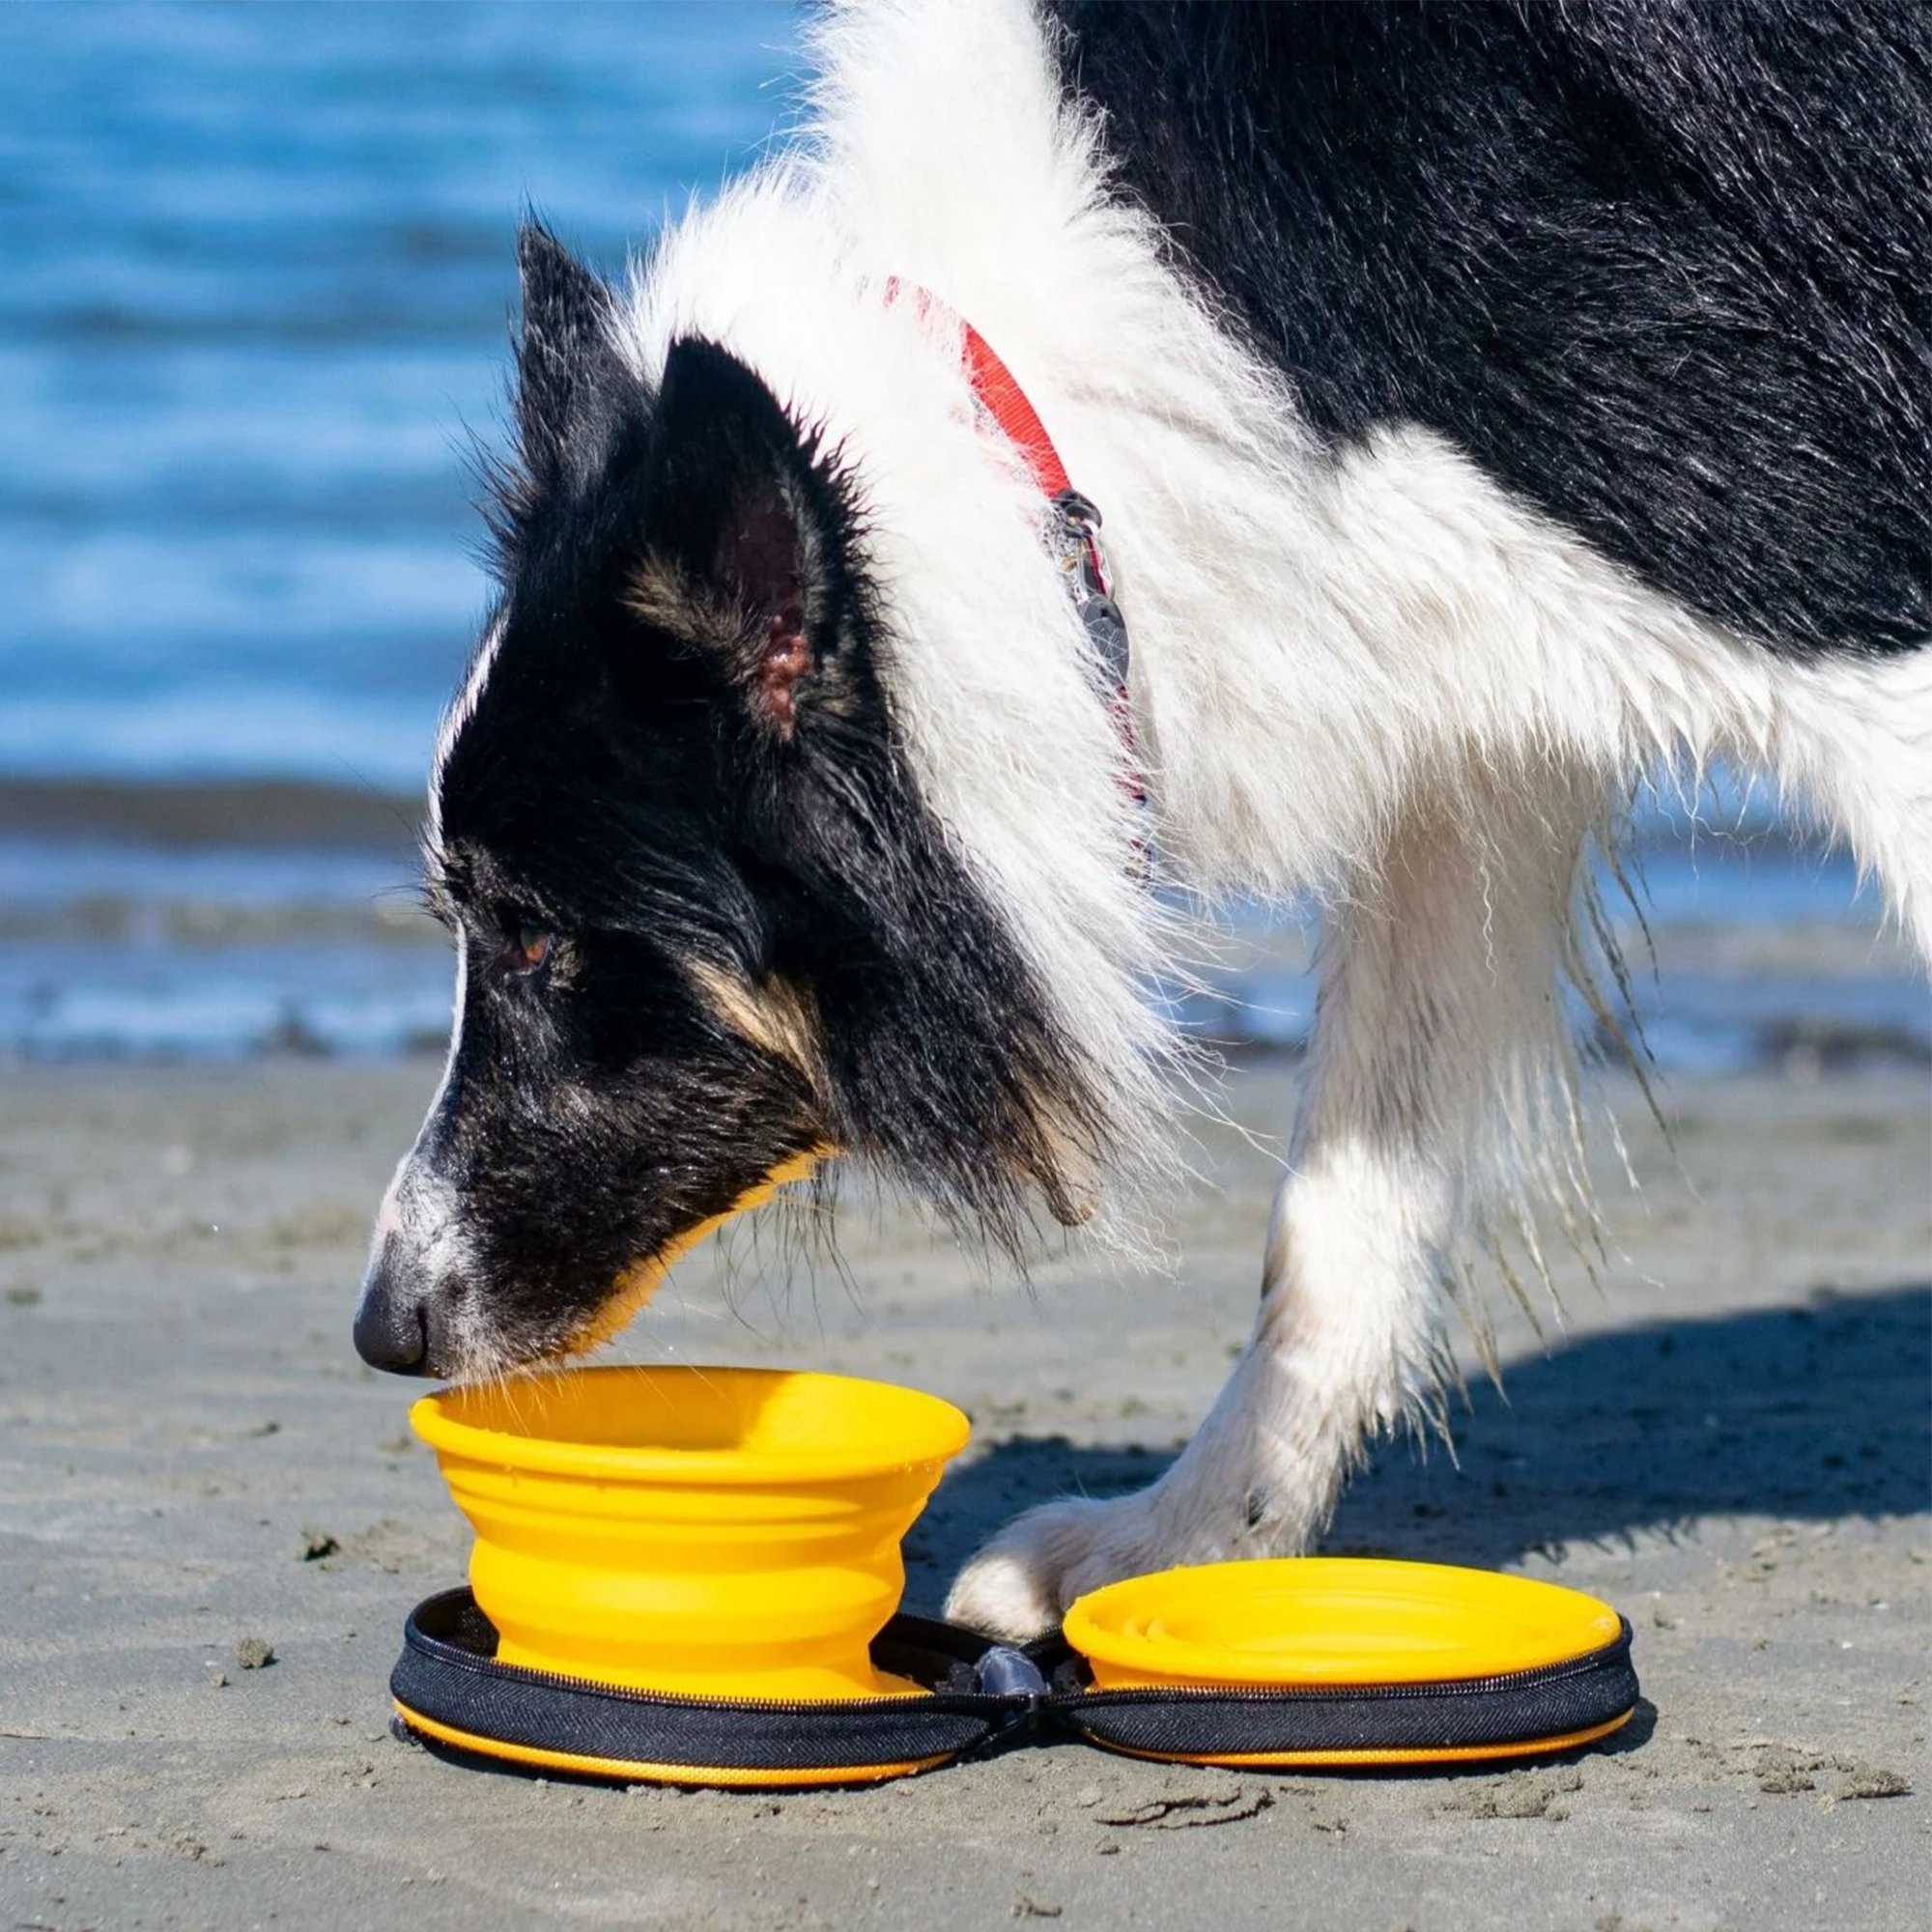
(1117, 1627)
(940, 1434)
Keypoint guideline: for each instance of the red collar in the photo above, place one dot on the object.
(1075, 533)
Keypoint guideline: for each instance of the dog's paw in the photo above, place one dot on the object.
(1021, 1582)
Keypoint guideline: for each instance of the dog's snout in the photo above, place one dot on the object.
(392, 1319)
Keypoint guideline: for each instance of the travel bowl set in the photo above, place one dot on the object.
(692, 1576)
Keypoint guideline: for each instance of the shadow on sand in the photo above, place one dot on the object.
(1813, 1412)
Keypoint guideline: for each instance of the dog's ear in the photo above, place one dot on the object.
(569, 376)
(747, 526)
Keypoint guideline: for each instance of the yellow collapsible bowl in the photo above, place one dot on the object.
(1348, 1625)
(724, 1533)
(1332, 1620)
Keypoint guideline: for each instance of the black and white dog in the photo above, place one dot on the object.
(1484, 403)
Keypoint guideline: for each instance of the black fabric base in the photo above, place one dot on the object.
(1506, 1715)
(983, 1694)
(448, 1673)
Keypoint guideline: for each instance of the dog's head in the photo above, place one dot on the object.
(706, 927)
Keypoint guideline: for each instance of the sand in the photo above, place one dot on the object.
(1729, 1443)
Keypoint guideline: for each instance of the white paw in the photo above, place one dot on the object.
(1021, 1583)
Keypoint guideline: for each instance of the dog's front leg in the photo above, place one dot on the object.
(1439, 1072)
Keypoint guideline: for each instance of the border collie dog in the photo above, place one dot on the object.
(1484, 403)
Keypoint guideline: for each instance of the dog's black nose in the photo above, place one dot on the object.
(392, 1318)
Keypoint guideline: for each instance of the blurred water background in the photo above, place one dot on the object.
(257, 282)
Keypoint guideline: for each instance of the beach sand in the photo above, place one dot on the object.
(1729, 1443)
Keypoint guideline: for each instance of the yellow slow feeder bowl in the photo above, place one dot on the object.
(718, 1533)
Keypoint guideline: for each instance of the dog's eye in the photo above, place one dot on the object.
(528, 947)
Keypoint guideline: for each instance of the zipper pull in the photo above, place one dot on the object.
(1005, 1672)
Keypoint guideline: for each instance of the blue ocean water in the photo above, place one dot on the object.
(258, 280)
(258, 286)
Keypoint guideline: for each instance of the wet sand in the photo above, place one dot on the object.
(1729, 1443)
